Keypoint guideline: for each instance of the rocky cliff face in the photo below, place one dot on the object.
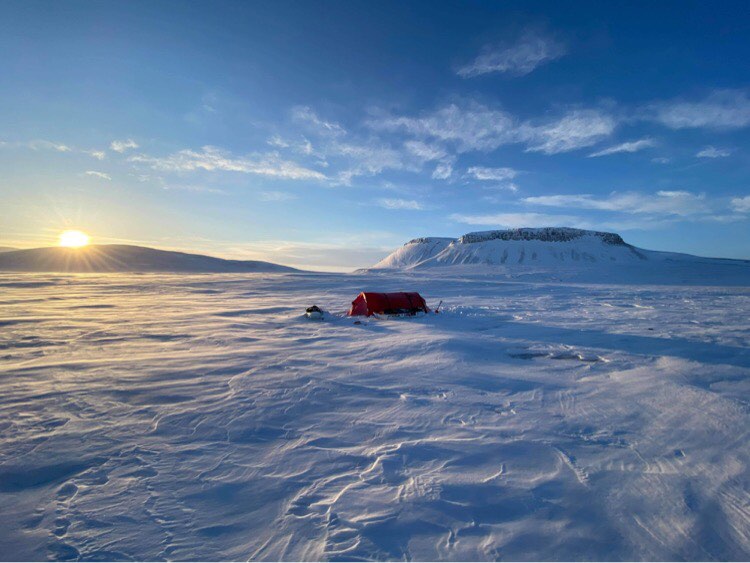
(544, 234)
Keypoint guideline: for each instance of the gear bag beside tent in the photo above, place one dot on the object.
(403, 303)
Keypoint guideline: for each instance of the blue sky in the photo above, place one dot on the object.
(325, 134)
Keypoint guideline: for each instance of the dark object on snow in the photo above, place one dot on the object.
(314, 312)
(368, 303)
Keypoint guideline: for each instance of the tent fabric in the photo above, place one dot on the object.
(368, 303)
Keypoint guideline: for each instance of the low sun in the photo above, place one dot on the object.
(73, 239)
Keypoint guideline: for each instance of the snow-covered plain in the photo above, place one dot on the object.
(202, 417)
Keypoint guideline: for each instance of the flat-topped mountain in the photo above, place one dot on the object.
(556, 252)
(105, 258)
(546, 245)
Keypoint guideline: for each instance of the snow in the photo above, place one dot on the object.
(415, 252)
(556, 253)
(101, 258)
(204, 417)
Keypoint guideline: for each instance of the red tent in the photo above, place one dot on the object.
(368, 303)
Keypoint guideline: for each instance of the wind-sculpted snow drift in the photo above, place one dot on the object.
(179, 417)
(560, 253)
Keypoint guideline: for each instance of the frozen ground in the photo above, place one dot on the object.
(201, 417)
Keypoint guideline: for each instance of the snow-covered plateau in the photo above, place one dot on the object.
(190, 417)
(561, 253)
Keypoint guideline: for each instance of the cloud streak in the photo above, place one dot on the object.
(443, 171)
(741, 204)
(627, 147)
(518, 220)
(472, 127)
(491, 174)
(575, 130)
(100, 175)
(211, 159)
(520, 59)
(469, 127)
(306, 115)
(400, 204)
(681, 203)
(123, 145)
(713, 152)
(722, 109)
(42, 144)
(38, 144)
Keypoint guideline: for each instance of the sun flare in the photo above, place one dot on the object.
(73, 239)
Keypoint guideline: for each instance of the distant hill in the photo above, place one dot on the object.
(7, 249)
(560, 253)
(125, 258)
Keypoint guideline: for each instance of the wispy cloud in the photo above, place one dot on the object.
(722, 109)
(368, 158)
(37, 144)
(408, 204)
(96, 174)
(215, 159)
(662, 202)
(42, 144)
(491, 174)
(123, 145)
(350, 156)
(470, 127)
(527, 54)
(629, 146)
(300, 146)
(713, 152)
(279, 142)
(577, 129)
(741, 204)
(425, 151)
(306, 147)
(518, 220)
(501, 177)
(305, 114)
(475, 127)
(443, 171)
